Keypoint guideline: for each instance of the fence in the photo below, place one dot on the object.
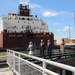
(23, 64)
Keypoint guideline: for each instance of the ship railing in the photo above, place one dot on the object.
(21, 65)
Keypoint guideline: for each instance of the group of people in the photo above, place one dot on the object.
(45, 46)
(42, 46)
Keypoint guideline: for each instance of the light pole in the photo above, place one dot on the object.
(69, 31)
(74, 18)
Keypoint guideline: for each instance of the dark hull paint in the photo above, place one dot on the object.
(13, 40)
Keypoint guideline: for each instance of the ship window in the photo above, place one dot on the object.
(28, 22)
(19, 18)
(31, 15)
(6, 17)
(28, 19)
(13, 14)
(31, 18)
(33, 22)
(14, 27)
(18, 21)
(31, 36)
(4, 30)
(35, 15)
(40, 28)
(9, 18)
(23, 18)
(22, 27)
(34, 27)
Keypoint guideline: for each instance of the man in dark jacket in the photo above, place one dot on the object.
(42, 48)
(49, 48)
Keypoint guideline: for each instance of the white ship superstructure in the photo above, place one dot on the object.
(23, 21)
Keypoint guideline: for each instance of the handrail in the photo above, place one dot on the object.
(42, 69)
(44, 62)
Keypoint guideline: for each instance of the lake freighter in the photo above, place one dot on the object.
(17, 29)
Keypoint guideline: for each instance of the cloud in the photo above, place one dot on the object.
(53, 13)
(50, 14)
(66, 28)
(56, 23)
(34, 5)
(24, 1)
(58, 30)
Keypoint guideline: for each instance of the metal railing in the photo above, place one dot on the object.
(21, 65)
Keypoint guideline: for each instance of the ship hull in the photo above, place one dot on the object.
(20, 40)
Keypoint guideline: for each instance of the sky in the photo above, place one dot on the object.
(58, 14)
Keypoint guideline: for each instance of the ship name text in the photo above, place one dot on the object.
(15, 35)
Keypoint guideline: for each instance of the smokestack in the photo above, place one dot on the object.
(23, 9)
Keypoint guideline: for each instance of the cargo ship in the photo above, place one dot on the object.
(18, 28)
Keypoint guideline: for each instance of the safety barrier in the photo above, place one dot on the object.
(21, 65)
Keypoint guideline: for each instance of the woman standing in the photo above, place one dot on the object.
(62, 46)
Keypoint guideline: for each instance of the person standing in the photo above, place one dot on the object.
(31, 48)
(62, 46)
(42, 48)
(49, 48)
